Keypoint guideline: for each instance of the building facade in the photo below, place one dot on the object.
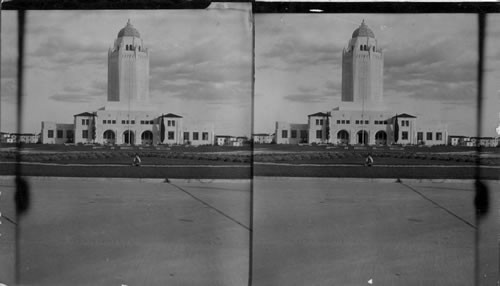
(128, 117)
(362, 117)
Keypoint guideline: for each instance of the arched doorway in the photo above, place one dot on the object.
(362, 137)
(343, 137)
(128, 137)
(108, 137)
(147, 138)
(381, 138)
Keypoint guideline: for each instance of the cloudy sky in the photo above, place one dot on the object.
(429, 68)
(200, 64)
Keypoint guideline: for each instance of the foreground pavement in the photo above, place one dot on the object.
(319, 231)
(129, 232)
(307, 231)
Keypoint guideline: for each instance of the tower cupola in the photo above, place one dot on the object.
(129, 31)
(363, 31)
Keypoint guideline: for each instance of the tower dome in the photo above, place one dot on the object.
(363, 31)
(129, 31)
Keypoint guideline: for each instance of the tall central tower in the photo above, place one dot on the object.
(128, 69)
(362, 71)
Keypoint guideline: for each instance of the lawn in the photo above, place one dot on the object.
(236, 162)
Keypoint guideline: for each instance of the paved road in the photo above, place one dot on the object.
(131, 232)
(307, 231)
(314, 231)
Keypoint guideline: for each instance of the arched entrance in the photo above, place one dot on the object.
(343, 137)
(381, 138)
(108, 137)
(147, 138)
(128, 137)
(362, 137)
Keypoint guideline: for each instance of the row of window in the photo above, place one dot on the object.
(293, 133)
(196, 136)
(131, 48)
(420, 136)
(319, 121)
(428, 136)
(361, 122)
(405, 122)
(366, 48)
(85, 121)
(60, 134)
(170, 122)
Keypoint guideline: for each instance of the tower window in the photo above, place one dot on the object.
(360, 47)
(373, 48)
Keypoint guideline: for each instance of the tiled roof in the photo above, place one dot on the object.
(129, 31)
(405, 115)
(363, 31)
(319, 114)
(84, 114)
(171, 115)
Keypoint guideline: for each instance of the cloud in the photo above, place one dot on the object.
(235, 93)
(56, 52)
(294, 52)
(8, 90)
(79, 94)
(9, 68)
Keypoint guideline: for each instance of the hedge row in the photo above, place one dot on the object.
(266, 157)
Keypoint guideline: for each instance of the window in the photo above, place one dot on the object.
(317, 121)
(170, 135)
(104, 122)
(439, 136)
(50, 133)
(360, 47)
(132, 122)
(123, 121)
(420, 136)
(59, 134)
(385, 121)
(169, 123)
(294, 134)
(357, 121)
(404, 135)
(113, 121)
(338, 121)
(150, 122)
(186, 135)
(343, 121)
(303, 133)
(195, 135)
(85, 134)
(83, 121)
(348, 121)
(319, 134)
(204, 136)
(173, 122)
(284, 133)
(429, 136)
(69, 133)
(367, 122)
